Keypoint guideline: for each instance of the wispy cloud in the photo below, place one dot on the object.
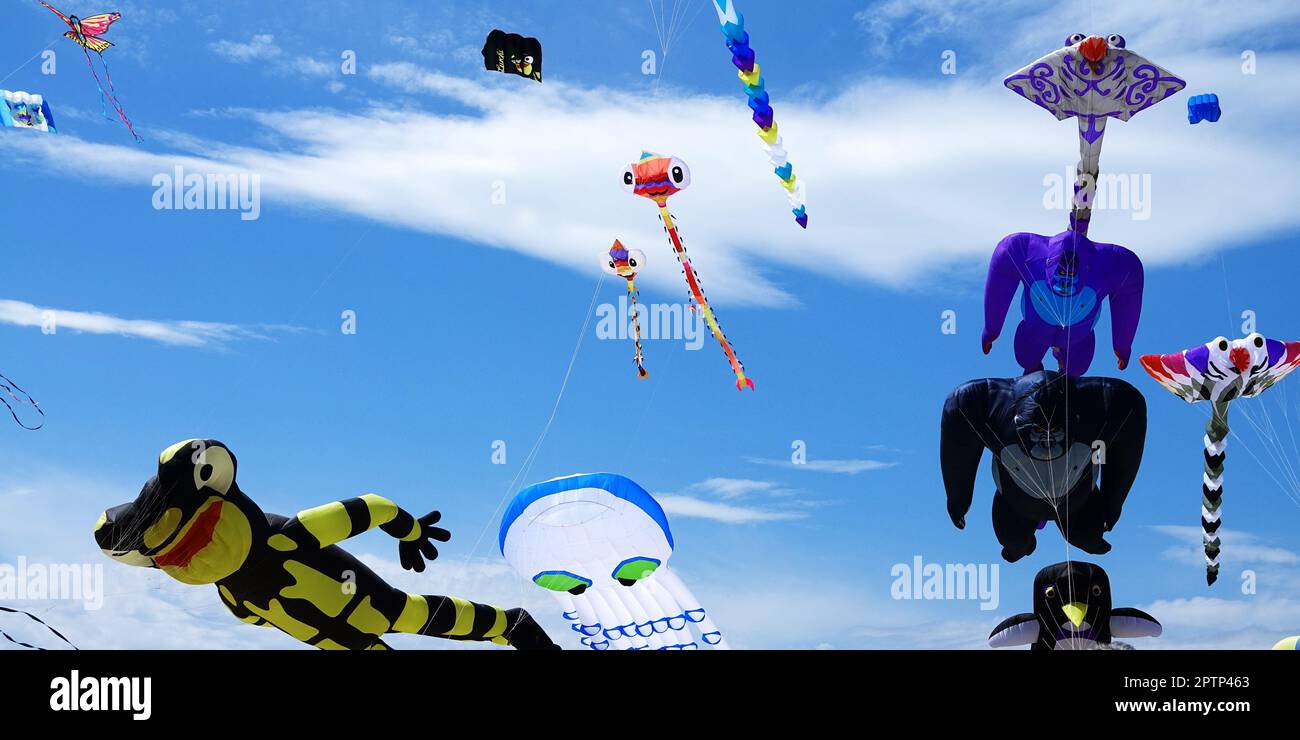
(263, 48)
(260, 47)
(1242, 547)
(843, 467)
(177, 333)
(476, 170)
(697, 508)
(733, 487)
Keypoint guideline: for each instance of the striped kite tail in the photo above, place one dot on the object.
(1216, 443)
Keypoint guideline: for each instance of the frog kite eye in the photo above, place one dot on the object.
(626, 263)
(600, 544)
(1221, 372)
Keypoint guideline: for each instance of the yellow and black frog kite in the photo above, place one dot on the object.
(194, 523)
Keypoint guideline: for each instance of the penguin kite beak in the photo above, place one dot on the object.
(1075, 612)
(1094, 49)
(1240, 359)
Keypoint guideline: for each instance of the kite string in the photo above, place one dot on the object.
(526, 467)
(37, 619)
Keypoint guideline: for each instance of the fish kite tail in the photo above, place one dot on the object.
(743, 382)
(1216, 434)
(641, 372)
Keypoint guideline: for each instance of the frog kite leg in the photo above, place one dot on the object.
(657, 178)
(1092, 79)
(626, 263)
(1221, 372)
(192, 521)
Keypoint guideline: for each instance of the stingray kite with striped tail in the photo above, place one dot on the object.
(657, 178)
(1220, 372)
(733, 27)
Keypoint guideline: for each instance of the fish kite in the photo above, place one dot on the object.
(1092, 79)
(657, 178)
(600, 544)
(87, 33)
(626, 263)
(733, 27)
(1221, 372)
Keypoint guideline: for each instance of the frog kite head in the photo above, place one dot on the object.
(190, 520)
(1092, 79)
(600, 544)
(656, 177)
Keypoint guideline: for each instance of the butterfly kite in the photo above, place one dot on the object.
(87, 33)
(626, 263)
(1221, 372)
(657, 178)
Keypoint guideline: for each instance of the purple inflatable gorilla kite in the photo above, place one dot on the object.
(1065, 279)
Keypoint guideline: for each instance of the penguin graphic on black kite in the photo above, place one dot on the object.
(194, 523)
(1072, 611)
(511, 53)
(1065, 449)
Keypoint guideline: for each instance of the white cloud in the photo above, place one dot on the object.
(1242, 547)
(259, 48)
(689, 506)
(179, 333)
(844, 467)
(917, 176)
(733, 487)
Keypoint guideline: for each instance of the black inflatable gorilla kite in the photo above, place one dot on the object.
(1064, 449)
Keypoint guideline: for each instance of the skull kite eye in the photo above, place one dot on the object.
(562, 581)
(634, 569)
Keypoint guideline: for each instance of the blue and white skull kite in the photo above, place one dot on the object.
(600, 543)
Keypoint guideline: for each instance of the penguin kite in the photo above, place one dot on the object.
(1072, 611)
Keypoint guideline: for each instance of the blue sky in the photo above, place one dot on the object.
(376, 196)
